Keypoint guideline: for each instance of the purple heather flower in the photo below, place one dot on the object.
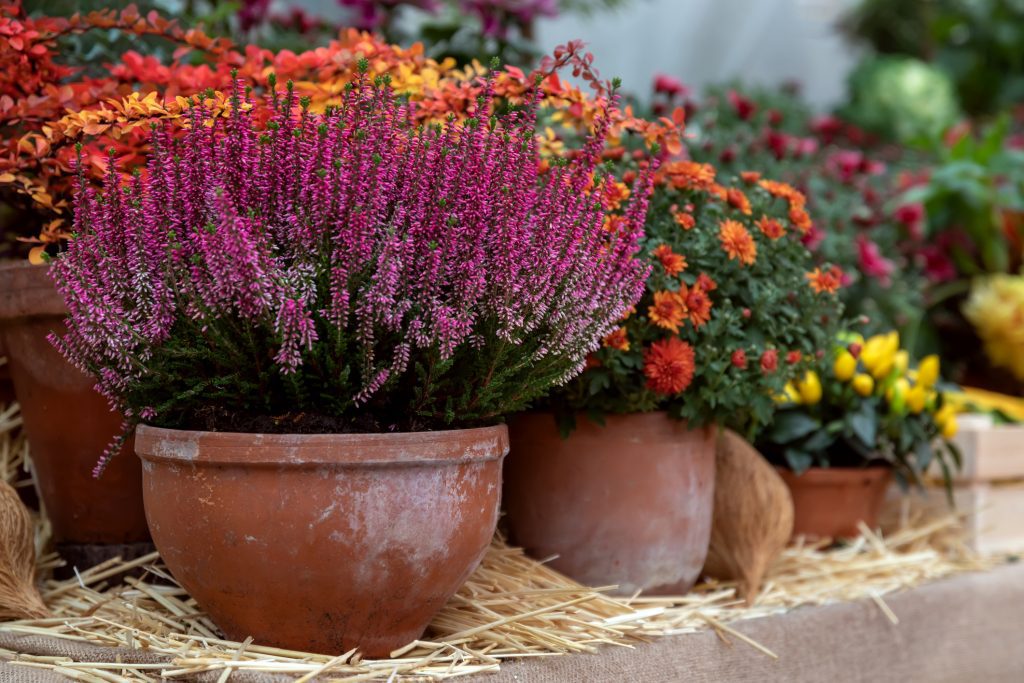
(355, 239)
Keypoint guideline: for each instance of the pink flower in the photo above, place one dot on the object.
(872, 263)
(813, 238)
(744, 108)
(667, 85)
(912, 218)
(938, 267)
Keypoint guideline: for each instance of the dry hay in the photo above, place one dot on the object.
(511, 607)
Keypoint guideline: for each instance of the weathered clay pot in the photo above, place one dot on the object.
(626, 504)
(322, 542)
(68, 426)
(828, 502)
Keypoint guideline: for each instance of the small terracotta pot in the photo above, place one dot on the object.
(68, 426)
(829, 501)
(626, 504)
(322, 542)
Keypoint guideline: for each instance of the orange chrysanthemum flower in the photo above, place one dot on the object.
(698, 305)
(825, 280)
(705, 282)
(737, 199)
(668, 366)
(684, 220)
(770, 227)
(800, 219)
(737, 242)
(615, 194)
(672, 262)
(719, 192)
(750, 176)
(618, 340)
(668, 311)
(784, 190)
(689, 175)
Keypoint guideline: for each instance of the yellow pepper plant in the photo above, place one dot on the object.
(864, 404)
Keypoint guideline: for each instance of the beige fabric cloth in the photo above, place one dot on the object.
(968, 628)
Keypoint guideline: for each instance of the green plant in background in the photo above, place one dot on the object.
(974, 201)
(902, 99)
(862, 404)
(978, 43)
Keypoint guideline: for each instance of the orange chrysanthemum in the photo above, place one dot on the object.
(684, 220)
(672, 262)
(784, 190)
(698, 305)
(618, 340)
(825, 280)
(669, 366)
(615, 194)
(668, 311)
(770, 227)
(800, 219)
(689, 175)
(750, 176)
(738, 200)
(719, 192)
(737, 242)
(705, 282)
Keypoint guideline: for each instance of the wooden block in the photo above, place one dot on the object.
(995, 512)
(990, 452)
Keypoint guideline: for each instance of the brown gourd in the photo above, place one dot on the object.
(19, 598)
(753, 516)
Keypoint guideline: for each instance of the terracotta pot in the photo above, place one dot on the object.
(627, 504)
(828, 502)
(68, 426)
(322, 542)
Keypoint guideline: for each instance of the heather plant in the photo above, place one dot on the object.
(346, 271)
(734, 308)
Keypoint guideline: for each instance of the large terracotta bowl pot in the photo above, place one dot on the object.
(322, 542)
(626, 504)
(68, 426)
(830, 502)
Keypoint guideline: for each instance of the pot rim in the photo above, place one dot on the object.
(387, 449)
(829, 475)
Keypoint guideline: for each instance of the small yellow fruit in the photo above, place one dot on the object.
(863, 384)
(788, 395)
(897, 396)
(950, 429)
(901, 361)
(945, 415)
(928, 371)
(845, 366)
(809, 388)
(917, 397)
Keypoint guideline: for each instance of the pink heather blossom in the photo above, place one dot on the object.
(912, 217)
(496, 14)
(351, 238)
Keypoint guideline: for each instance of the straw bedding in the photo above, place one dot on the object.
(148, 628)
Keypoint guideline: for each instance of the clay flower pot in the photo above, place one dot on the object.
(828, 502)
(322, 542)
(68, 426)
(628, 504)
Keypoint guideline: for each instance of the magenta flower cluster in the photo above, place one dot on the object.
(350, 264)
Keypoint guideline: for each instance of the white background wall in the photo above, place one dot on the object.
(703, 41)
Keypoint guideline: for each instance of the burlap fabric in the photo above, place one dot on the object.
(960, 630)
